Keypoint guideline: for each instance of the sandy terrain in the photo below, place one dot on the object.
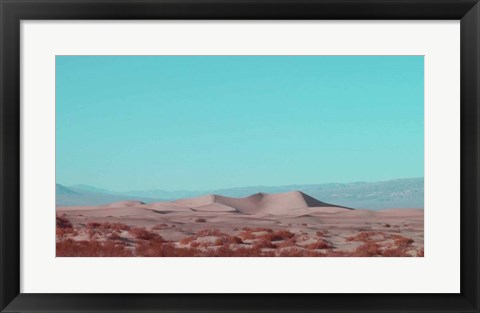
(287, 224)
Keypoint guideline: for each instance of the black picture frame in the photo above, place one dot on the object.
(13, 11)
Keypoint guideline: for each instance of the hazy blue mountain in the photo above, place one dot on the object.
(62, 190)
(66, 196)
(87, 188)
(164, 194)
(396, 193)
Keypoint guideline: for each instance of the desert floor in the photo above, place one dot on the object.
(286, 225)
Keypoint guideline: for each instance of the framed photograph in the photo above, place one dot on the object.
(187, 156)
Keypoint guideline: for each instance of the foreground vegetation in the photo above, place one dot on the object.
(120, 240)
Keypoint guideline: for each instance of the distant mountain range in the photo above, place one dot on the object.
(396, 193)
(87, 195)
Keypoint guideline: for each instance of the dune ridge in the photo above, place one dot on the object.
(259, 203)
(280, 204)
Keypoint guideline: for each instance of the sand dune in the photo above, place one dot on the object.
(275, 204)
(214, 207)
(259, 205)
(167, 206)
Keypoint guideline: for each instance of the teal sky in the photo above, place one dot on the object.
(209, 122)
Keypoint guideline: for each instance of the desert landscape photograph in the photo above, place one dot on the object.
(239, 156)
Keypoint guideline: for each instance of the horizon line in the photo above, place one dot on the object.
(236, 187)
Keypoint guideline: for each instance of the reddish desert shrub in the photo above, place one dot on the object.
(65, 232)
(64, 228)
(216, 233)
(156, 248)
(119, 226)
(366, 236)
(236, 239)
(277, 235)
(321, 233)
(143, 234)
(201, 220)
(187, 240)
(114, 226)
(109, 226)
(222, 251)
(368, 248)
(284, 234)
(63, 223)
(71, 248)
(114, 236)
(96, 230)
(252, 252)
(206, 244)
(319, 244)
(420, 253)
(264, 243)
(226, 251)
(209, 232)
(160, 227)
(247, 235)
(332, 253)
(395, 252)
(297, 252)
(292, 242)
(93, 225)
(403, 242)
(194, 244)
(227, 239)
(93, 234)
(159, 248)
(169, 250)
